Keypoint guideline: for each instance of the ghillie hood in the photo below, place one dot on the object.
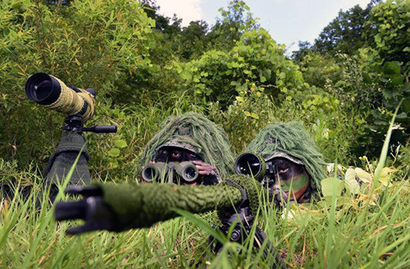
(292, 139)
(207, 139)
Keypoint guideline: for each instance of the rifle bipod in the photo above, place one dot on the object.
(240, 233)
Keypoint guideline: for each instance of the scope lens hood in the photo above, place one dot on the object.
(43, 89)
(248, 164)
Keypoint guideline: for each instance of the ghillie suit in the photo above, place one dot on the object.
(290, 141)
(196, 133)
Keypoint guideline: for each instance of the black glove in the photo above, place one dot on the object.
(92, 209)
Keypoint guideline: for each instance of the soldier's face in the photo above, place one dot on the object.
(174, 154)
(290, 180)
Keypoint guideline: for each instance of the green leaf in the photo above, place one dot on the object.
(385, 176)
(392, 68)
(254, 115)
(121, 143)
(397, 80)
(114, 152)
(350, 179)
(363, 175)
(332, 186)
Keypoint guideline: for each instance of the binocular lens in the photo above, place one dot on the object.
(248, 164)
(42, 89)
(174, 172)
(190, 174)
(150, 173)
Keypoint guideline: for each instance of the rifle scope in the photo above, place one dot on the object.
(251, 165)
(51, 92)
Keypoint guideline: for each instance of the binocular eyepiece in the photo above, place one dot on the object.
(51, 92)
(251, 165)
(185, 172)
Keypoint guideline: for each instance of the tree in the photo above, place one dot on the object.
(345, 34)
(390, 28)
(193, 41)
(304, 49)
(234, 21)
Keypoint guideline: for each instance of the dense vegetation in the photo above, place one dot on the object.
(344, 87)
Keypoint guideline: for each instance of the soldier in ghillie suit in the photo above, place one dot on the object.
(191, 137)
(296, 165)
(295, 175)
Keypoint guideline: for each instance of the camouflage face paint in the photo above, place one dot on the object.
(289, 179)
(297, 183)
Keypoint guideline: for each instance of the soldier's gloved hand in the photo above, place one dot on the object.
(92, 209)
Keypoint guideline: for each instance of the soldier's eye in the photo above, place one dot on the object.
(193, 156)
(176, 154)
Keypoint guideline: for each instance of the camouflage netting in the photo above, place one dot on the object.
(210, 140)
(292, 139)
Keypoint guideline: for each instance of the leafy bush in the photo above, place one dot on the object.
(256, 59)
(320, 70)
(87, 44)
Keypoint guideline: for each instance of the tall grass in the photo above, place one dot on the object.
(347, 233)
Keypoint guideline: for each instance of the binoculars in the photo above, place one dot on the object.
(184, 172)
(252, 165)
(52, 93)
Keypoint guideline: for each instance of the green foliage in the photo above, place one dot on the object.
(387, 67)
(146, 67)
(347, 32)
(367, 70)
(234, 21)
(193, 40)
(320, 70)
(403, 159)
(391, 57)
(256, 59)
(87, 44)
(391, 32)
